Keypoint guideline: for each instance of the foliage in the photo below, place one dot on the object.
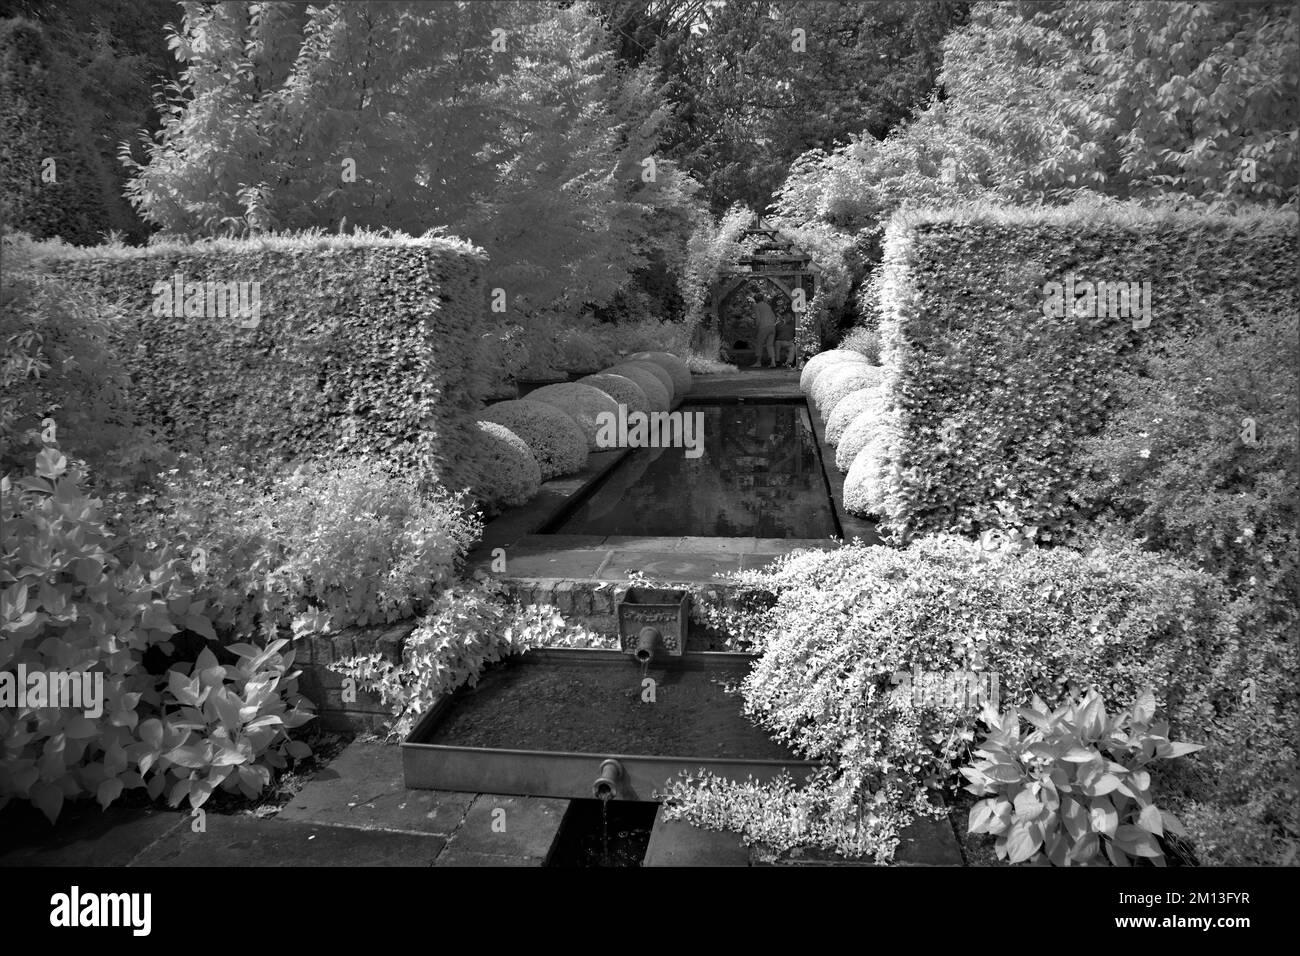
(842, 624)
(533, 152)
(511, 474)
(74, 598)
(865, 427)
(225, 726)
(781, 815)
(90, 91)
(1172, 469)
(848, 409)
(712, 246)
(43, 120)
(468, 628)
(320, 549)
(866, 341)
(1077, 784)
(584, 404)
(747, 98)
(552, 436)
(823, 361)
(677, 369)
(621, 389)
(965, 342)
(844, 378)
(364, 345)
(651, 384)
(58, 362)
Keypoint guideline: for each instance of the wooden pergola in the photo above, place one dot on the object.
(775, 261)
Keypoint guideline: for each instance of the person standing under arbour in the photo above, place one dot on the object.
(765, 334)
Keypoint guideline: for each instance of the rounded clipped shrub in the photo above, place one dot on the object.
(860, 431)
(555, 439)
(582, 403)
(621, 389)
(511, 475)
(847, 410)
(841, 380)
(824, 360)
(677, 370)
(865, 485)
(653, 380)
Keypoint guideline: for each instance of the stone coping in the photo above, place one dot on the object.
(531, 554)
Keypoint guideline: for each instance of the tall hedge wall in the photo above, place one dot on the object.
(365, 345)
(988, 393)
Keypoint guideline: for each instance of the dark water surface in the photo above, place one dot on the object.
(579, 708)
(759, 476)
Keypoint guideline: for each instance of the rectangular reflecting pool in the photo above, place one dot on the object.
(760, 475)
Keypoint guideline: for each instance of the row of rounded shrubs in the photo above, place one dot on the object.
(550, 432)
(848, 392)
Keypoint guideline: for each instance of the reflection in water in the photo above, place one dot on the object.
(759, 476)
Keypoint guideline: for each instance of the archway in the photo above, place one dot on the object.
(775, 266)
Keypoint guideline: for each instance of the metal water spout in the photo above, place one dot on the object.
(645, 645)
(609, 783)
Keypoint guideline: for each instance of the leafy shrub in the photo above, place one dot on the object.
(79, 599)
(647, 335)
(866, 341)
(326, 547)
(824, 360)
(580, 352)
(847, 411)
(1075, 785)
(512, 475)
(834, 383)
(225, 726)
(643, 374)
(677, 369)
(58, 359)
(1171, 468)
(845, 622)
(863, 429)
(621, 389)
(966, 340)
(582, 403)
(467, 629)
(554, 438)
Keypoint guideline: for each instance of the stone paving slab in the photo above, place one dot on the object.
(517, 831)
(560, 563)
(678, 843)
(669, 565)
(247, 841)
(364, 787)
(84, 835)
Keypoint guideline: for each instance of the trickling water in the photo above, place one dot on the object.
(604, 827)
(645, 666)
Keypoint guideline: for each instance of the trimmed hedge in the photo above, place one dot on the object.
(582, 403)
(991, 395)
(643, 374)
(621, 389)
(677, 370)
(861, 431)
(850, 406)
(824, 360)
(554, 438)
(511, 476)
(367, 346)
(843, 379)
